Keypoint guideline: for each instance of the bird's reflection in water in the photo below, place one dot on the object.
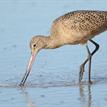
(86, 95)
(29, 101)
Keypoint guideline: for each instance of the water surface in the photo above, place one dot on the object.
(54, 78)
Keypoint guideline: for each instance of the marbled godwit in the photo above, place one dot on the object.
(73, 28)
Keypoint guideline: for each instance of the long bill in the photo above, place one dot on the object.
(29, 67)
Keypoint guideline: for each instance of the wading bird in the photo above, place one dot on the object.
(77, 27)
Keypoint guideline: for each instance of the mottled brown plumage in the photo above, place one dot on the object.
(79, 26)
(72, 28)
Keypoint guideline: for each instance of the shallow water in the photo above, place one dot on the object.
(54, 78)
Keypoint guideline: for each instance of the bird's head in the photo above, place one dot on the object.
(36, 44)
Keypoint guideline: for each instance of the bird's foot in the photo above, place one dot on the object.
(81, 73)
(90, 82)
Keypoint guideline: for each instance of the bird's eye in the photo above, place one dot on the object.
(34, 45)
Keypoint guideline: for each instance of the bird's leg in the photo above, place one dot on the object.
(81, 73)
(96, 47)
(82, 65)
(89, 69)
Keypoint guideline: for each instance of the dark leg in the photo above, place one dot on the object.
(89, 69)
(83, 65)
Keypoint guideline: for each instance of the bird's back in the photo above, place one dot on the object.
(81, 23)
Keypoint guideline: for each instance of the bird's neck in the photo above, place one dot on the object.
(53, 42)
